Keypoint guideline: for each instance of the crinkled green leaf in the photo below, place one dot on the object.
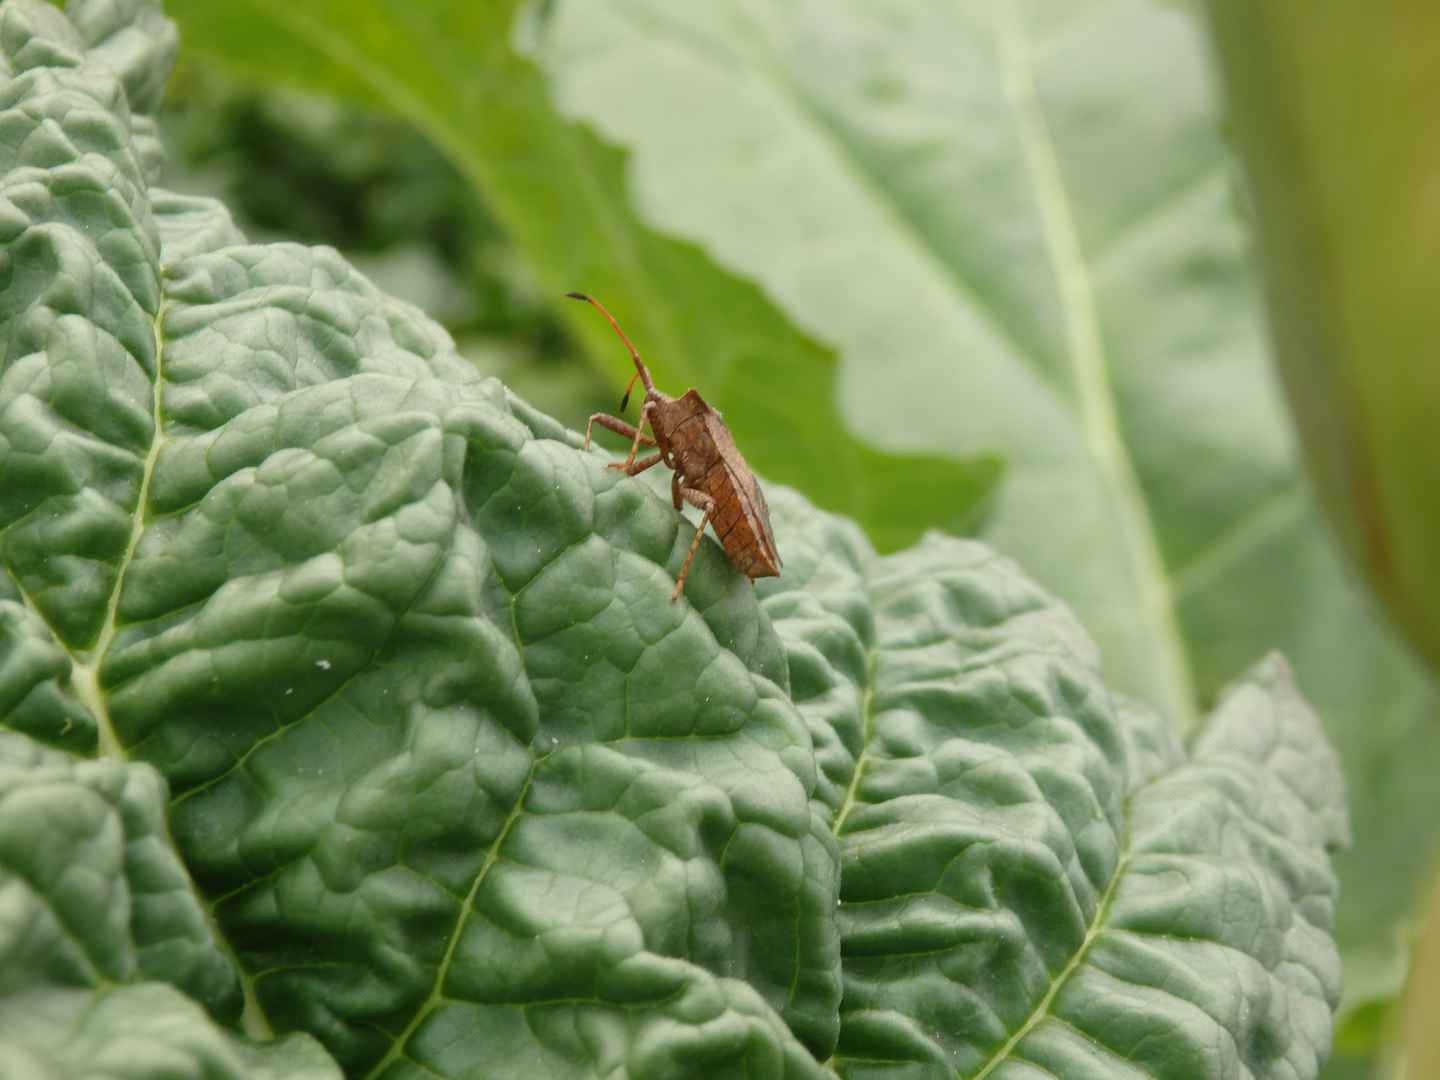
(459, 788)
(148, 1031)
(411, 670)
(897, 182)
(101, 931)
(94, 894)
(1036, 881)
(416, 678)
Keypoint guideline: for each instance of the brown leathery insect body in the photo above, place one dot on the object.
(691, 438)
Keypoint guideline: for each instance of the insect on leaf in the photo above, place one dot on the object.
(373, 728)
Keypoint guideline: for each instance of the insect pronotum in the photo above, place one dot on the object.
(710, 472)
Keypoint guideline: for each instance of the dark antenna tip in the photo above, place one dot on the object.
(577, 296)
(625, 401)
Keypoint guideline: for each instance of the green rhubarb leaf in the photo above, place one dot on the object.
(102, 936)
(405, 751)
(1037, 881)
(443, 755)
(1012, 224)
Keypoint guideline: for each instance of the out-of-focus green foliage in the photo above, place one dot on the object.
(1013, 223)
(1336, 106)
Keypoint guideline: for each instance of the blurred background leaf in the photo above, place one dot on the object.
(1336, 106)
(1411, 1034)
(970, 234)
(1338, 113)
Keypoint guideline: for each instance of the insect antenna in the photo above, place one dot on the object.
(630, 386)
(641, 372)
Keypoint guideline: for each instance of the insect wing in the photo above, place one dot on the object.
(747, 539)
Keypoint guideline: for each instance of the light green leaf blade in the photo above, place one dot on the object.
(1034, 881)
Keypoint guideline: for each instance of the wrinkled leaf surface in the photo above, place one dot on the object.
(1035, 255)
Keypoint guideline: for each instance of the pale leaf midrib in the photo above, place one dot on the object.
(85, 677)
(1042, 1008)
(437, 988)
(1099, 417)
(85, 671)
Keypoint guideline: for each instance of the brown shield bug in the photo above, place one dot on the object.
(710, 472)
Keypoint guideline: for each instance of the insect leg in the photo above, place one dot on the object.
(704, 502)
(615, 424)
(646, 418)
(698, 499)
(675, 489)
(640, 437)
(637, 466)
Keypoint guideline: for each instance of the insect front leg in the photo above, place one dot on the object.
(640, 437)
(635, 467)
(703, 502)
(620, 427)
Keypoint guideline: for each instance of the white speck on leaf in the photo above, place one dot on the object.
(325, 664)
